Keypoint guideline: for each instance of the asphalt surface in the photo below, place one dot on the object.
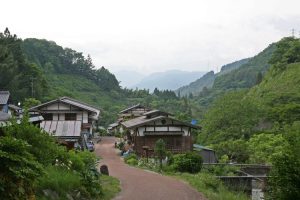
(138, 184)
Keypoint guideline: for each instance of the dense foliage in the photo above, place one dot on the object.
(285, 174)
(32, 162)
(17, 73)
(188, 162)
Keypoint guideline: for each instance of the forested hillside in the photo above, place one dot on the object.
(54, 71)
(244, 73)
(248, 125)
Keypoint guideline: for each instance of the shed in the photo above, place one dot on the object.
(208, 155)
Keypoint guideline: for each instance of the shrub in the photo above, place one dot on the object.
(160, 151)
(189, 162)
(132, 161)
(59, 180)
(18, 169)
(130, 156)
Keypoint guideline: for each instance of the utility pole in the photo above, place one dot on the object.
(32, 88)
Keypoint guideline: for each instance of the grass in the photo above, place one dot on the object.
(206, 183)
(110, 186)
(58, 180)
(210, 186)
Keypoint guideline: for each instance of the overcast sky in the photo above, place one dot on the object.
(150, 36)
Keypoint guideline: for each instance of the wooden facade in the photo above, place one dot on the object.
(144, 131)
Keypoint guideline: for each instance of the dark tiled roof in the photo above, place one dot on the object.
(4, 96)
(156, 112)
(130, 108)
(140, 121)
(70, 101)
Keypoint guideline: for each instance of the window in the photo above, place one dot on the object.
(48, 116)
(70, 116)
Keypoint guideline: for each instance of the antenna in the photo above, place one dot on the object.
(293, 32)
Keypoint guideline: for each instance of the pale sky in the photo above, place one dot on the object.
(155, 35)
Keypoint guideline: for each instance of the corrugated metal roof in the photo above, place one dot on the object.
(14, 107)
(4, 96)
(4, 116)
(62, 128)
(198, 146)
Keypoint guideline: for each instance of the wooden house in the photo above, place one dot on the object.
(145, 130)
(67, 119)
(133, 112)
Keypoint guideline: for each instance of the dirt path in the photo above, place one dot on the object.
(138, 184)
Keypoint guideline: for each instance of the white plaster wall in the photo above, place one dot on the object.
(79, 116)
(150, 128)
(55, 116)
(141, 131)
(174, 128)
(63, 106)
(62, 116)
(51, 107)
(85, 117)
(186, 130)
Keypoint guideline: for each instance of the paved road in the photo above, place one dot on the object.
(138, 184)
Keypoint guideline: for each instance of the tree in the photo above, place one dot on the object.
(285, 173)
(18, 170)
(264, 146)
(160, 151)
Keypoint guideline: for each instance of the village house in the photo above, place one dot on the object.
(7, 109)
(69, 120)
(126, 114)
(145, 130)
(133, 112)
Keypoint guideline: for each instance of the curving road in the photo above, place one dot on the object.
(138, 184)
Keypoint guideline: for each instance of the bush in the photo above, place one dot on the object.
(130, 156)
(189, 162)
(58, 180)
(132, 161)
(18, 169)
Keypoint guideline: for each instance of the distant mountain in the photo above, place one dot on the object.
(128, 78)
(168, 80)
(208, 79)
(240, 74)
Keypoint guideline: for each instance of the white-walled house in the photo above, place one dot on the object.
(67, 118)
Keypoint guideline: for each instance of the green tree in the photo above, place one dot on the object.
(264, 146)
(160, 151)
(285, 173)
(18, 170)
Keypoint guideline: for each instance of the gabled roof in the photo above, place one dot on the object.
(4, 97)
(157, 112)
(132, 107)
(70, 101)
(140, 121)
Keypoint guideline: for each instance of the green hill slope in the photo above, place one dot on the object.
(242, 123)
